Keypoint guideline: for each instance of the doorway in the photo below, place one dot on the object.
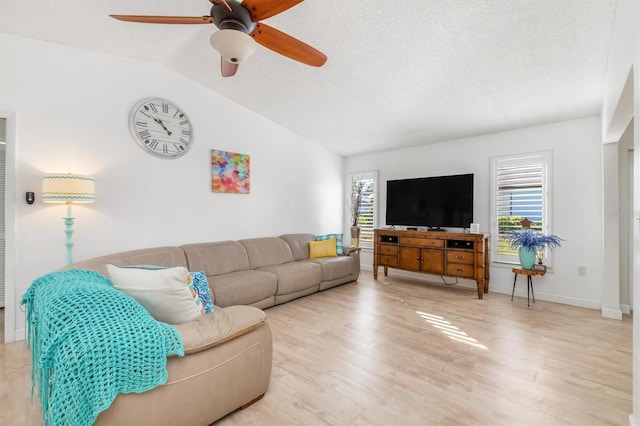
(630, 223)
(7, 257)
(626, 217)
(3, 162)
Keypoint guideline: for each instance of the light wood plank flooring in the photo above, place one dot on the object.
(404, 352)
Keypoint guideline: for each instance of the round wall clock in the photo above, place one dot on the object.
(160, 128)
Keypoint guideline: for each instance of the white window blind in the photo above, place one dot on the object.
(366, 182)
(520, 190)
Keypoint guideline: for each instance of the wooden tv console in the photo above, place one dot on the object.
(448, 254)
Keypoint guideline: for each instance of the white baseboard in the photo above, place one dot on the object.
(632, 420)
(548, 297)
(626, 309)
(20, 334)
(611, 313)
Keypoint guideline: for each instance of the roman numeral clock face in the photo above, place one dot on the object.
(160, 128)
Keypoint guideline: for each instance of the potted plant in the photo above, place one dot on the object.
(528, 242)
(354, 209)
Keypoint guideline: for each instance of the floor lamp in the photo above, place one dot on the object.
(68, 188)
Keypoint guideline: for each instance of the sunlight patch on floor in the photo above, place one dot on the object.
(450, 330)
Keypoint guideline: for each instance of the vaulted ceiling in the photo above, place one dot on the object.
(398, 74)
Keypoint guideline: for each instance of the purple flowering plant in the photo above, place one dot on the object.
(531, 239)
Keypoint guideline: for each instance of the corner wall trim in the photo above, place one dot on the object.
(611, 313)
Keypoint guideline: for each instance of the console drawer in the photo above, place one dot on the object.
(389, 261)
(388, 250)
(421, 242)
(460, 270)
(459, 256)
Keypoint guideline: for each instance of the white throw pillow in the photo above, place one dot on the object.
(165, 292)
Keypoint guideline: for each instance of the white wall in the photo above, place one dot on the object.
(610, 232)
(623, 82)
(71, 110)
(577, 204)
(625, 215)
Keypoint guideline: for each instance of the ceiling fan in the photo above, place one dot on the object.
(240, 29)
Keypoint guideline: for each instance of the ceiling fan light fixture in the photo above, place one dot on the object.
(234, 46)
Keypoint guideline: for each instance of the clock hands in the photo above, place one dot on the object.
(157, 120)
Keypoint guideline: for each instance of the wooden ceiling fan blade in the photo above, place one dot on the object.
(288, 46)
(150, 19)
(227, 5)
(227, 69)
(224, 2)
(263, 9)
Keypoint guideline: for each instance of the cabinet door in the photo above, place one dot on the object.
(410, 258)
(432, 261)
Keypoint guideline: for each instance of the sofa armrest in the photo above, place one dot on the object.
(220, 326)
(351, 249)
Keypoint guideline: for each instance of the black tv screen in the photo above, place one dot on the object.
(434, 202)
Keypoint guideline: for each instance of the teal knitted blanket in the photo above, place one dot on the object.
(90, 342)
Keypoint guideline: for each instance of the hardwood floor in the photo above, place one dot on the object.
(404, 352)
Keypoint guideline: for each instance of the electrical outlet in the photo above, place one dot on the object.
(582, 271)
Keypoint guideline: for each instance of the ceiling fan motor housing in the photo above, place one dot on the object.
(238, 18)
(240, 31)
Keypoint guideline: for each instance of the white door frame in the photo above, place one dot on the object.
(10, 300)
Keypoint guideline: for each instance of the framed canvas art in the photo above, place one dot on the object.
(230, 172)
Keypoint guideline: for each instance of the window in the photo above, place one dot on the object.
(520, 190)
(361, 202)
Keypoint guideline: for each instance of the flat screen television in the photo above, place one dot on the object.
(433, 202)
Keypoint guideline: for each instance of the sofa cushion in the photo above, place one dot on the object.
(268, 251)
(338, 238)
(296, 276)
(216, 258)
(299, 244)
(220, 326)
(326, 248)
(335, 267)
(167, 293)
(243, 287)
(160, 256)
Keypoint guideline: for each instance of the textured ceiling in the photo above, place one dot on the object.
(399, 73)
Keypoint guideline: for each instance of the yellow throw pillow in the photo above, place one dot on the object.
(326, 248)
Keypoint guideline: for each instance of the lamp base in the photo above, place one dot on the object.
(68, 221)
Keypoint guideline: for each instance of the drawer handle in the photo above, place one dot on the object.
(460, 257)
(460, 270)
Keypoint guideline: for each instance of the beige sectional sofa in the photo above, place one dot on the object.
(228, 353)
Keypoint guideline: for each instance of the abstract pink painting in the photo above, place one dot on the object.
(230, 172)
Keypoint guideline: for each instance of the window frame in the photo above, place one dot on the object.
(525, 159)
(365, 175)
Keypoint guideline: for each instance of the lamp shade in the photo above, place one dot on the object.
(68, 188)
(234, 46)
